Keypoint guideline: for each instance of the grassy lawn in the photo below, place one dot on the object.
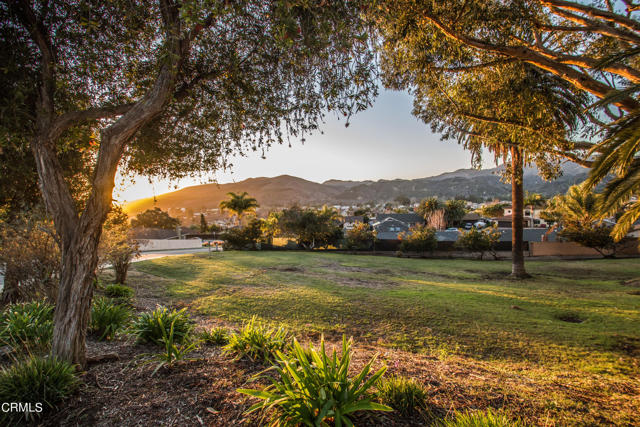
(459, 306)
(574, 324)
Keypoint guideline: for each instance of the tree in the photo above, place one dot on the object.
(480, 241)
(420, 238)
(592, 47)
(521, 113)
(491, 211)
(578, 213)
(311, 228)
(117, 247)
(454, 211)
(155, 218)
(428, 207)
(239, 204)
(402, 200)
(360, 237)
(193, 82)
(203, 224)
(535, 200)
(245, 237)
(595, 236)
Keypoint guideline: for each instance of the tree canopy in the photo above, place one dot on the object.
(154, 218)
(588, 48)
(166, 88)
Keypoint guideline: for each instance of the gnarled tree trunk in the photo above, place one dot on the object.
(517, 214)
(72, 314)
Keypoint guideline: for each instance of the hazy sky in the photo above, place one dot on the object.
(384, 142)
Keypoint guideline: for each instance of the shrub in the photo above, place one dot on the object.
(481, 419)
(36, 380)
(27, 325)
(117, 246)
(118, 291)
(480, 241)
(31, 259)
(108, 317)
(403, 394)
(246, 237)
(257, 341)
(420, 238)
(313, 391)
(360, 237)
(593, 236)
(215, 336)
(152, 326)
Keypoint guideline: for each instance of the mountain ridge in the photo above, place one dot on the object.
(285, 190)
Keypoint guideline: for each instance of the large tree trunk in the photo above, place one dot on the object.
(79, 233)
(73, 306)
(517, 214)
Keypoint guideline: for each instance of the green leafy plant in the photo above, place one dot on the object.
(480, 241)
(173, 351)
(108, 317)
(317, 390)
(117, 290)
(481, 419)
(420, 238)
(41, 380)
(257, 341)
(152, 326)
(27, 326)
(404, 395)
(215, 336)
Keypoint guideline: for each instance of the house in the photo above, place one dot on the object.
(470, 218)
(389, 228)
(531, 211)
(506, 221)
(410, 219)
(350, 221)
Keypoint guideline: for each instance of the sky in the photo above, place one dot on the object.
(384, 142)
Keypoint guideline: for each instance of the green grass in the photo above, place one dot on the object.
(439, 307)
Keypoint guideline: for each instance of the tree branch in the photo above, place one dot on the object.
(526, 54)
(623, 21)
(596, 27)
(67, 120)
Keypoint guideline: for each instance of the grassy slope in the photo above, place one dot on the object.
(428, 306)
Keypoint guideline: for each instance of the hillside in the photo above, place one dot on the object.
(286, 190)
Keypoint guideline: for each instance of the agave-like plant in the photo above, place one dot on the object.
(314, 389)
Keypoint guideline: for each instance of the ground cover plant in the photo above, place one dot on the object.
(480, 419)
(257, 341)
(215, 336)
(176, 348)
(404, 395)
(108, 317)
(153, 326)
(35, 380)
(27, 326)
(483, 340)
(116, 290)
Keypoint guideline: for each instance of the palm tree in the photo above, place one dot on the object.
(239, 204)
(619, 156)
(579, 207)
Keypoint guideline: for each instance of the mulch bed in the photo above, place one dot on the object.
(125, 393)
